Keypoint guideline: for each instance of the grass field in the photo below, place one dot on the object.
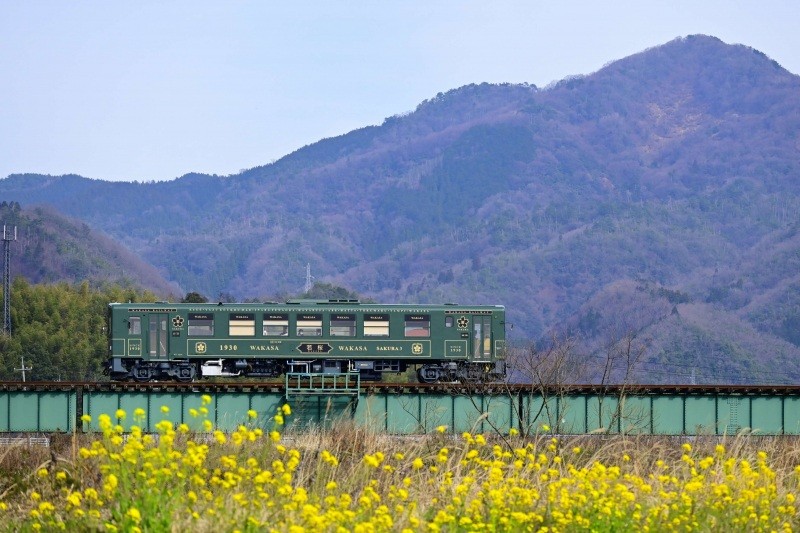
(350, 479)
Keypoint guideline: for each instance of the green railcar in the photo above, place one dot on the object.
(187, 341)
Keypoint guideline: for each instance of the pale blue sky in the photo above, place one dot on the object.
(155, 89)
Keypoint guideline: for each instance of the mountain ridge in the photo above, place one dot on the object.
(664, 166)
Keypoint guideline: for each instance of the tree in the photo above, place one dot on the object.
(194, 298)
(549, 371)
(328, 291)
(60, 329)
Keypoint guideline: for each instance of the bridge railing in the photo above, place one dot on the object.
(45, 408)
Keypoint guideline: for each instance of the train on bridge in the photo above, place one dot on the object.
(188, 341)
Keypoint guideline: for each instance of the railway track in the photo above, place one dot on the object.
(273, 386)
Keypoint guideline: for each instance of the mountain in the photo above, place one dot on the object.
(666, 181)
(53, 248)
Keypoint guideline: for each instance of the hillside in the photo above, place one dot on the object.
(52, 248)
(674, 169)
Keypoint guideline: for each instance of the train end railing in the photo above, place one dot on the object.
(317, 384)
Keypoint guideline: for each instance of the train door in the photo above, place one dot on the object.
(481, 338)
(157, 336)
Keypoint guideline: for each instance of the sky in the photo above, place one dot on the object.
(152, 90)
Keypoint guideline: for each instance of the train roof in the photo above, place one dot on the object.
(301, 304)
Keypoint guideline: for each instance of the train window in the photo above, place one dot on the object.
(276, 325)
(418, 326)
(135, 325)
(309, 325)
(343, 325)
(448, 321)
(242, 325)
(376, 325)
(201, 324)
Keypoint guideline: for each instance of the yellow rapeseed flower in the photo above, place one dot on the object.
(74, 499)
(329, 458)
(104, 422)
(134, 514)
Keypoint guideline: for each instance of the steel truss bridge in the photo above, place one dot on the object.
(319, 400)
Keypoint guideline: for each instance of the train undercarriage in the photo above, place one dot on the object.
(185, 370)
(461, 372)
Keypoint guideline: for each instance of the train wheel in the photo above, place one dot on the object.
(472, 374)
(184, 373)
(141, 373)
(428, 374)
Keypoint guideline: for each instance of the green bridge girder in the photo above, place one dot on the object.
(58, 408)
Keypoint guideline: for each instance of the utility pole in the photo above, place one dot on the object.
(8, 237)
(23, 369)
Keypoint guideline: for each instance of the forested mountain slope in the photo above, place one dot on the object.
(674, 170)
(52, 248)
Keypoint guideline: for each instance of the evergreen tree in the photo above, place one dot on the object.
(60, 330)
